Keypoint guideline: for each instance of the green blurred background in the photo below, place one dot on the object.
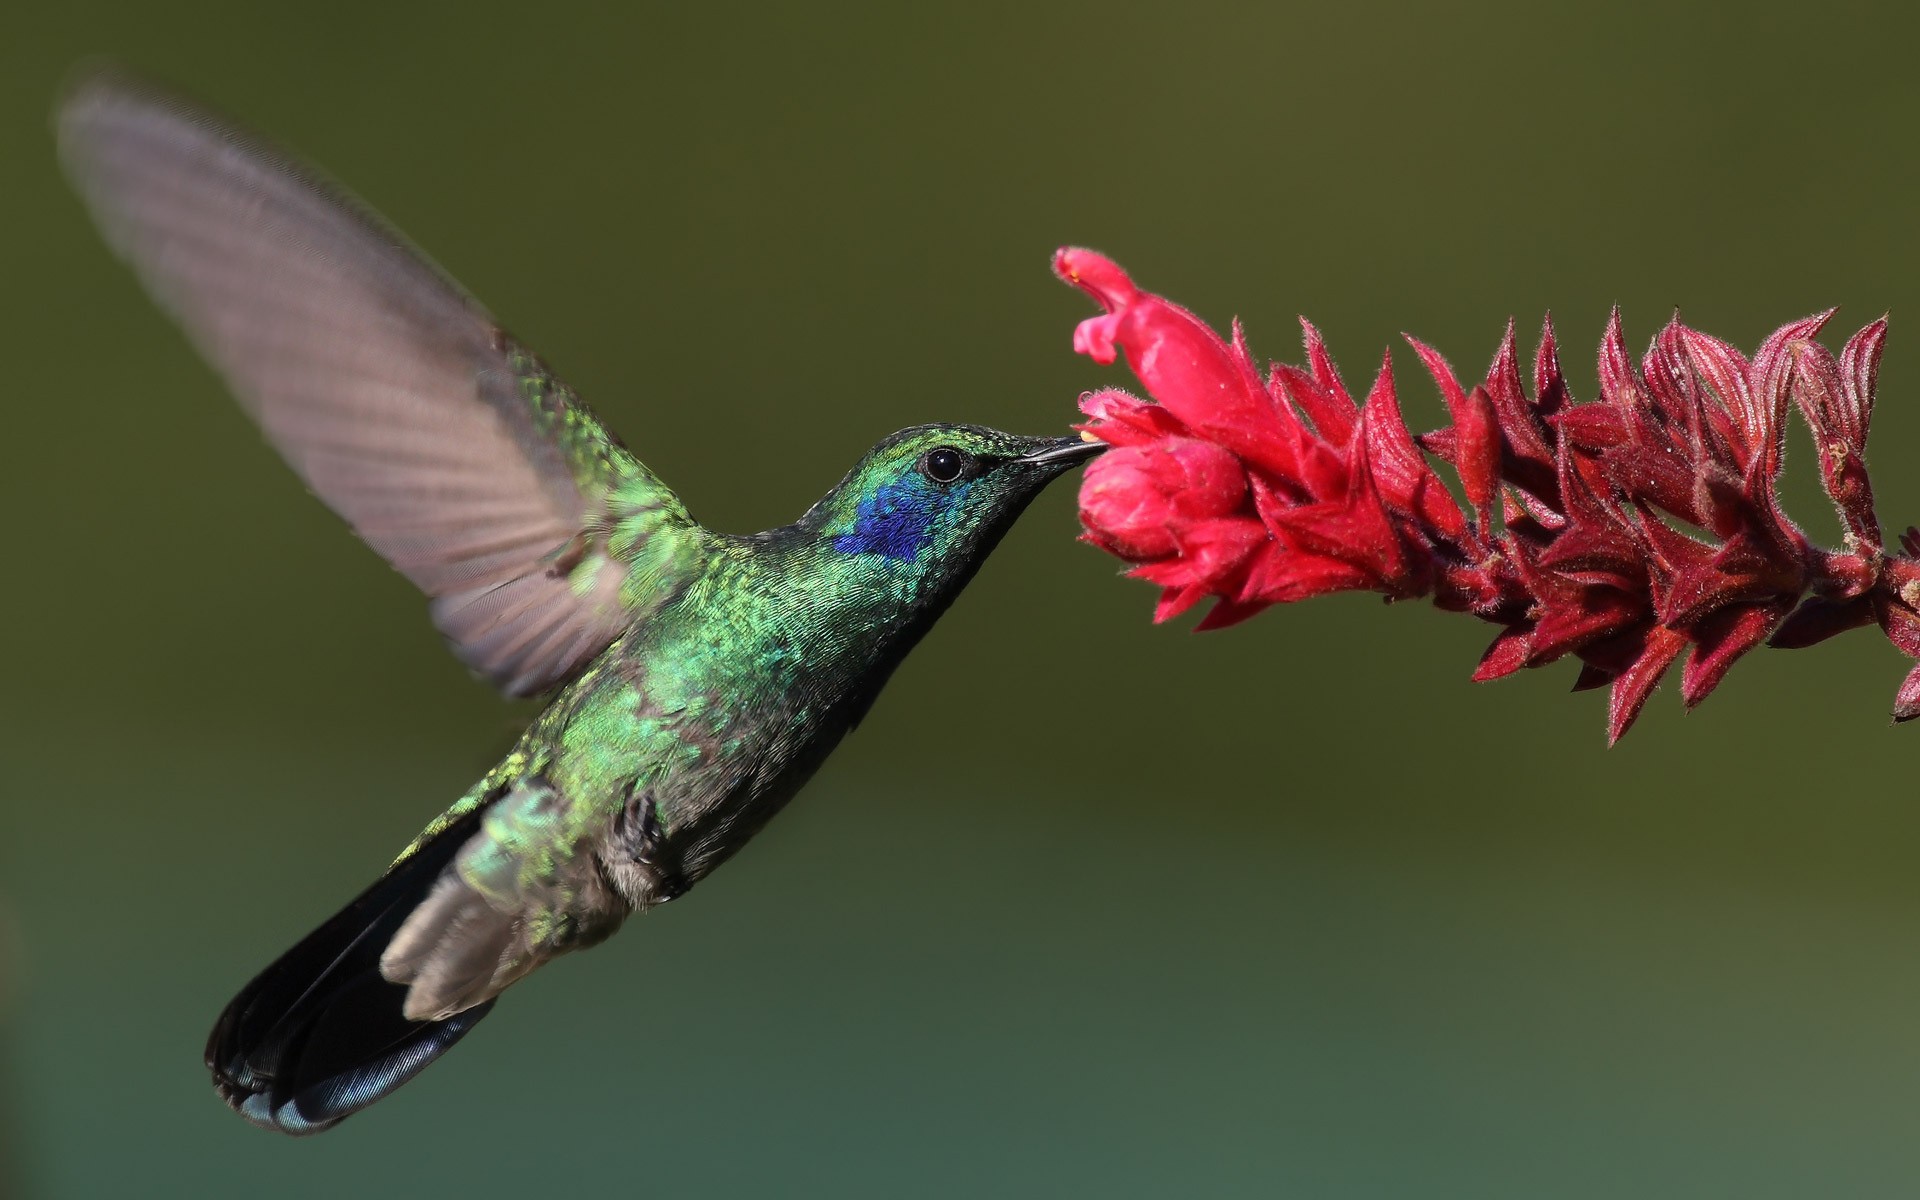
(1087, 907)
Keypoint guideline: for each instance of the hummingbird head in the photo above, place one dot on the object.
(929, 503)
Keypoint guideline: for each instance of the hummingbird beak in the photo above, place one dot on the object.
(1062, 453)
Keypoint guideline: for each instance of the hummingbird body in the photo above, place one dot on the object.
(698, 678)
(683, 738)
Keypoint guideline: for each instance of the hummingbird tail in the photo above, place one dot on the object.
(321, 1034)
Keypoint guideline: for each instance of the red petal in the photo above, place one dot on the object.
(1860, 375)
(1120, 419)
(1818, 619)
(1518, 418)
(1901, 625)
(1096, 275)
(1228, 612)
(1442, 372)
(1727, 373)
(1637, 682)
(1332, 416)
(1174, 601)
(1328, 377)
(1906, 702)
(1477, 451)
(1398, 467)
(1773, 369)
(1507, 654)
(1579, 616)
(1592, 678)
(1718, 644)
(1550, 393)
(1620, 384)
(1593, 427)
(1283, 576)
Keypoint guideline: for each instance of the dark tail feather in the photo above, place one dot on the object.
(319, 1035)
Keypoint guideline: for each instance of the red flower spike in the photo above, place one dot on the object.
(1258, 486)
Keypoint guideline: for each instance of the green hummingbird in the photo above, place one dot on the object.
(698, 678)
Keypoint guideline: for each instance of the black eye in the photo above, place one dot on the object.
(943, 464)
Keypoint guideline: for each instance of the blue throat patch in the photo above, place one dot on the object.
(896, 519)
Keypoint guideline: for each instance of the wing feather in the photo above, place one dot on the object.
(447, 447)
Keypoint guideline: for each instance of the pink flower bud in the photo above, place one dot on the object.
(1139, 502)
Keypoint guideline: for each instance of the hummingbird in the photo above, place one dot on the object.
(697, 679)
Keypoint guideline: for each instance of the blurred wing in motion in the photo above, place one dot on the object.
(397, 398)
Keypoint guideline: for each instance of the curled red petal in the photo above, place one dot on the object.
(1096, 275)
(1098, 338)
(1187, 367)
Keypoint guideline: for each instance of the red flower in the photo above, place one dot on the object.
(1146, 502)
(1584, 537)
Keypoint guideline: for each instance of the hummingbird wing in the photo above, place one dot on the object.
(447, 447)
